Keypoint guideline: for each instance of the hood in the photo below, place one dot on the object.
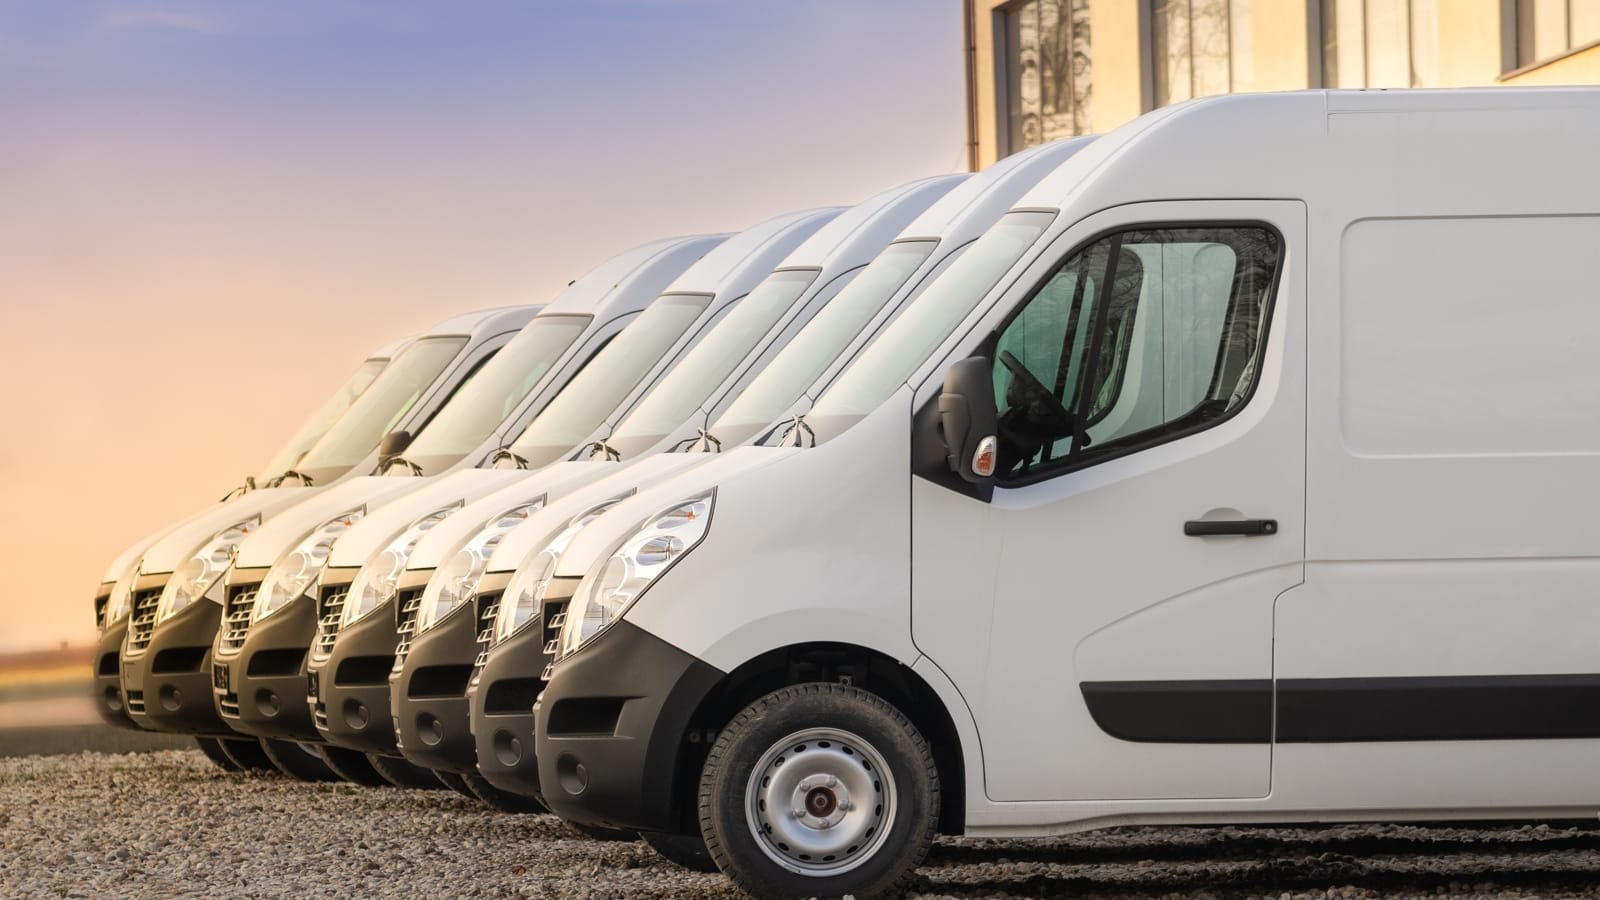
(578, 497)
(552, 481)
(621, 520)
(179, 543)
(279, 534)
(398, 511)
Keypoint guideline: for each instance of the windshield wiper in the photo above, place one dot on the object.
(302, 477)
(796, 424)
(602, 447)
(415, 469)
(248, 486)
(506, 453)
(707, 442)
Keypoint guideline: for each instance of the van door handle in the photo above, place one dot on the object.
(1247, 527)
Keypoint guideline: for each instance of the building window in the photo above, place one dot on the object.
(1049, 76)
(1201, 47)
(1380, 43)
(1547, 29)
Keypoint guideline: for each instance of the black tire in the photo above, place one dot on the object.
(404, 773)
(212, 748)
(246, 753)
(297, 761)
(887, 823)
(686, 850)
(455, 782)
(597, 833)
(503, 800)
(351, 765)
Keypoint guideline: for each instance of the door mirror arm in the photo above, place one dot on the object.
(968, 420)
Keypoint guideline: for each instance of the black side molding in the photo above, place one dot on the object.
(1348, 710)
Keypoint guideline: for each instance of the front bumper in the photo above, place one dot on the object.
(166, 683)
(612, 725)
(428, 694)
(505, 684)
(108, 676)
(348, 689)
(259, 686)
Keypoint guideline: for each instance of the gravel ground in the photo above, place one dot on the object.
(170, 824)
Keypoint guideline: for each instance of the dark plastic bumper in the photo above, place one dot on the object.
(350, 705)
(611, 726)
(108, 676)
(172, 676)
(428, 696)
(501, 704)
(263, 690)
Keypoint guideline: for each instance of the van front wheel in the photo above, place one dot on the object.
(819, 790)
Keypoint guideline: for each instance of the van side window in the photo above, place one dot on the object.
(1138, 338)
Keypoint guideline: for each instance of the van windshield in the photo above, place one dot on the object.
(497, 389)
(689, 383)
(607, 380)
(323, 419)
(379, 411)
(905, 344)
(798, 365)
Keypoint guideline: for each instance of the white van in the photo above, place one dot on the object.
(536, 362)
(408, 389)
(438, 627)
(520, 613)
(1274, 506)
(718, 289)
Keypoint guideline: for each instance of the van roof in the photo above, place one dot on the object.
(970, 208)
(864, 229)
(1443, 151)
(731, 270)
(628, 281)
(484, 321)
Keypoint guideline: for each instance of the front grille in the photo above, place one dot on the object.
(229, 705)
(555, 614)
(488, 608)
(410, 601)
(142, 624)
(330, 607)
(319, 712)
(135, 701)
(237, 609)
(100, 603)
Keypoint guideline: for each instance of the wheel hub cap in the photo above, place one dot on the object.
(820, 802)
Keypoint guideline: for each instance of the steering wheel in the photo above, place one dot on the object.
(1037, 394)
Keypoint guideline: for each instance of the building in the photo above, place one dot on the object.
(1044, 69)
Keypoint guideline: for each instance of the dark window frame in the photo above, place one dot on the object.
(1075, 460)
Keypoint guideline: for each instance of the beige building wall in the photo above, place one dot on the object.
(1287, 56)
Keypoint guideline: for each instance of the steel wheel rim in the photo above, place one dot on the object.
(820, 802)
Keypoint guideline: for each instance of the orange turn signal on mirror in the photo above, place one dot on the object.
(983, 457)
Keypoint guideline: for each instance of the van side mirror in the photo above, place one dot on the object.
(393, 444)
(968, 419)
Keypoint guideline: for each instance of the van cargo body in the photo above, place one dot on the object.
(440, 643)
(1255, 486)
(259, 653)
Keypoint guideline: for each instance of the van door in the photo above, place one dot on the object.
(1107, 613)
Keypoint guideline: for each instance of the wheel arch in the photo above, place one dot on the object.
(865, 668)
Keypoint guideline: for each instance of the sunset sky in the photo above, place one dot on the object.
(209, 212)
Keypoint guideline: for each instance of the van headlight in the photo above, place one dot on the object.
(202, 575)
(456, 582)
(121, 599)
(524, 593)
(375, 584)
(297, 571)
(612, 586)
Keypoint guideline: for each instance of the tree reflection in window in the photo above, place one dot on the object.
(1049, 72)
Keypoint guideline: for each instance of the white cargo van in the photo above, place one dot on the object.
(1258, 487)
(520, 613)
(439, 626)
